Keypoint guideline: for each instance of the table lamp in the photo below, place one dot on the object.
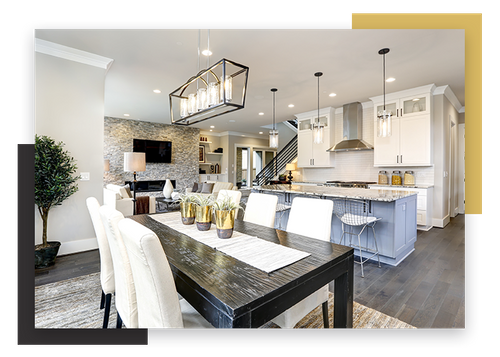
(133, 162)
(290, 167)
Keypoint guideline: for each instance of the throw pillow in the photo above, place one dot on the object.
(195, 187)
(200, 186)
(129, 193)
(207, 187)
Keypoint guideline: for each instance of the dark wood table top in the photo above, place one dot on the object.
(230, 293)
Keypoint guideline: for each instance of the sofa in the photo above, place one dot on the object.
(210, 188)
(121, 199)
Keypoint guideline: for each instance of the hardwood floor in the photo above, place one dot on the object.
(427, 290)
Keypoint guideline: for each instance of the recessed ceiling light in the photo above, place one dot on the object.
(332, 94)
(211, 130)
(261, 113)
(260, 132)
(243, 135)
(231, 121)
(127, 115)
(391, 79)
(212, 126)
(157, 91)
(206, 53)
(291, 105)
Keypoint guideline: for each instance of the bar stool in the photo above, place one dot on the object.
(282, 206)
(354, 213)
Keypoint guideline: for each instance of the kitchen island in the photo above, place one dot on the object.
(396, 232)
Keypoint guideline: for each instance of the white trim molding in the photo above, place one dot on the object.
(448, 93)
(72, 54)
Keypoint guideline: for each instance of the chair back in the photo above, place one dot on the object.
(235, 197)
(107, 272)
(311, 217)
(125, 299)
(351, 212)
(261, 209)
(157, 299)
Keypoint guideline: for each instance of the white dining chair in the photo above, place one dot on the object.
(261, 209)
(125, 299)
(107, 275)
(235, 197)
(158, 305)
(309, 217)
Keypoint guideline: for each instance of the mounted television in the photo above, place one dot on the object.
(156, 151)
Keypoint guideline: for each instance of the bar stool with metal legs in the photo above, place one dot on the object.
(283, 205)
(355, 213)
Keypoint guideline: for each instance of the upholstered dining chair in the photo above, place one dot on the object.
(158, 305)
(235, 197)
(309, 217)
(261, 209)
(125, 299)
(107, 275)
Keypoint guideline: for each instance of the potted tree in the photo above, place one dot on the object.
(54, 183)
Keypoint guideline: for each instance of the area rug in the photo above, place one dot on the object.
(74, 303)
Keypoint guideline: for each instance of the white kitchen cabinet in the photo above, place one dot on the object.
(311, 155)
(410, 143)
(424, 203)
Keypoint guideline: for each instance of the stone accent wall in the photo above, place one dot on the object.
(118, 139)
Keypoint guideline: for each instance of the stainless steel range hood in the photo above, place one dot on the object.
(352, 130)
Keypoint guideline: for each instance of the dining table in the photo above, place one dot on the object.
(230, 293)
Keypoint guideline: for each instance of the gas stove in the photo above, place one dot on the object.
(350, 184)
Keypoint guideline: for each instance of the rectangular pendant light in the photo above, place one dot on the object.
(223, 90)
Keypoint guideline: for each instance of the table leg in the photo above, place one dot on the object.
(343, 297)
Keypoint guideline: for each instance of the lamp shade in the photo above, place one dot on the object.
(134, 161)
(290, 167)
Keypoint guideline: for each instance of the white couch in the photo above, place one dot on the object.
(119, 198)
(216, 188)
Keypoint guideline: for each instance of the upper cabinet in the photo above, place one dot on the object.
(311, 155)
(411, 141)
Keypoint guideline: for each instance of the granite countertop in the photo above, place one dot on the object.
(355, 193)
(403, 187)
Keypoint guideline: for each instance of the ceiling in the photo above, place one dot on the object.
(145, 60)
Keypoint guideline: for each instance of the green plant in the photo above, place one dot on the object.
(282, 177)
(203, 200)
(54, 177)
(185, 198)
(226, 204)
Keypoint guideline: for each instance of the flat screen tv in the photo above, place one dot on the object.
(156, 151)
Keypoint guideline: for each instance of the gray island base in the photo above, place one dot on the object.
(396, 232)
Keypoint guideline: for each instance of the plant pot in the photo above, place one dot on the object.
(203, 217)
(46, 256)
(224, 220)
(187, 212)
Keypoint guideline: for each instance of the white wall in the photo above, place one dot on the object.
(69, 107)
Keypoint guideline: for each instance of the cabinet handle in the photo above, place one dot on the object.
(401, 158)
(397, 159)
(397, 112)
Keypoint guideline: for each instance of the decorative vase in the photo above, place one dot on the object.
(168, 189)
(203, 217)
(187, 212)
(224, 220)
(46, 256)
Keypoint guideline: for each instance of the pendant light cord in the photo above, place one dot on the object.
(384, 81)
(274, 110)
(318, 100)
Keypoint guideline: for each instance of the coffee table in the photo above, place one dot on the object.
(169, 202)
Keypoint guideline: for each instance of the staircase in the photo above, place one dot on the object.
(278, 164)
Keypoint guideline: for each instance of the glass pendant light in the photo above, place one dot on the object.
(317, 126)
(184, 108)
(273, 134)
(384, 124)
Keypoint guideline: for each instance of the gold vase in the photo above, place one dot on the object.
(224, 220)
(187, 212)
(203, 217)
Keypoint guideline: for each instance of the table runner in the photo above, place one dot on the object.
(259, 253)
